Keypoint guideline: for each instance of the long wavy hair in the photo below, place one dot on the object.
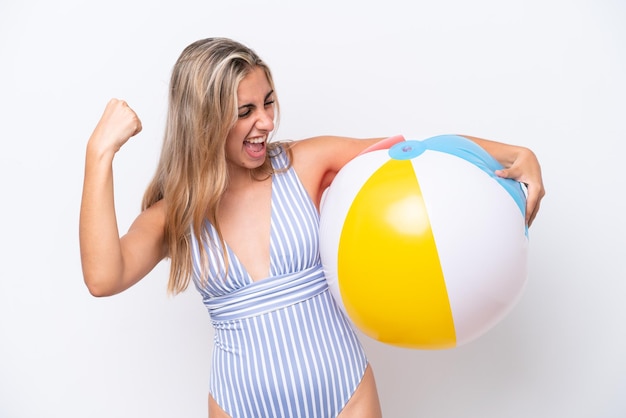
(192, 176)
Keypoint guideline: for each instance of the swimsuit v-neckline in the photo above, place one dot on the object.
(293, 241)
(232, 255)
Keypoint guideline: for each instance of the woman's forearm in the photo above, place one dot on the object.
(505, 154)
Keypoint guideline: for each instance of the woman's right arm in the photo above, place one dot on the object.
(112, 264)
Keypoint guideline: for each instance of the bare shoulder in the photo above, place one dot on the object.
(318, 159)
(153, 216)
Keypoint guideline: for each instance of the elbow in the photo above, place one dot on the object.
(99, 287)
(99, 292)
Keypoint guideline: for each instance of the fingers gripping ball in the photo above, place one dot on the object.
(423, 246)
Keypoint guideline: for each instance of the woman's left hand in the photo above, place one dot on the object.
(526, 169)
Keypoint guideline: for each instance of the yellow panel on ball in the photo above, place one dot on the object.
(393, 288)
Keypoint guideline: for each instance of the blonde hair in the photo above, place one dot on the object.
(191, 175)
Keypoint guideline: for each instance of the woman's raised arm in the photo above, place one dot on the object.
(112, 264)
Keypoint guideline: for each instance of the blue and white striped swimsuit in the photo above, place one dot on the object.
(282, 346)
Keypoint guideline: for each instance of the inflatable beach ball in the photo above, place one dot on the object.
(422, 245)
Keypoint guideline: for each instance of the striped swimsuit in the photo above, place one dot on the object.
(282, 348)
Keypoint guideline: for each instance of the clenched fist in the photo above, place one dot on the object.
(116, 126)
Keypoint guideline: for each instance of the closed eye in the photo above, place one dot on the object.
(247, 109)
(269, 99)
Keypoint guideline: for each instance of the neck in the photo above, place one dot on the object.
(241, 178)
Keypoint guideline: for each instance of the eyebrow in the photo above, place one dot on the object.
(267, 96)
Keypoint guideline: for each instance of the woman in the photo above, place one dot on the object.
(238, 215)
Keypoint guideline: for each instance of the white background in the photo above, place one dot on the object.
(550, 75)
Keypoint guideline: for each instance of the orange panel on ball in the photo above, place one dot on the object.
(390, 278)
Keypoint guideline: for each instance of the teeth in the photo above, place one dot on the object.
(256, 140)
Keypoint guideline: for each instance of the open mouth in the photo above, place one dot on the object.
(255, 144)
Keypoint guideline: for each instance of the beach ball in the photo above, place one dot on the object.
(423, 246)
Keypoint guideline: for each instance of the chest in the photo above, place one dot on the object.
(244, 217)
(269, 231)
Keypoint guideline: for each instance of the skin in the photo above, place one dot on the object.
(111, 264)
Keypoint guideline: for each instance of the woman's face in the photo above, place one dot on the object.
(246, 142)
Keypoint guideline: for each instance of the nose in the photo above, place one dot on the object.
(265, 121)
